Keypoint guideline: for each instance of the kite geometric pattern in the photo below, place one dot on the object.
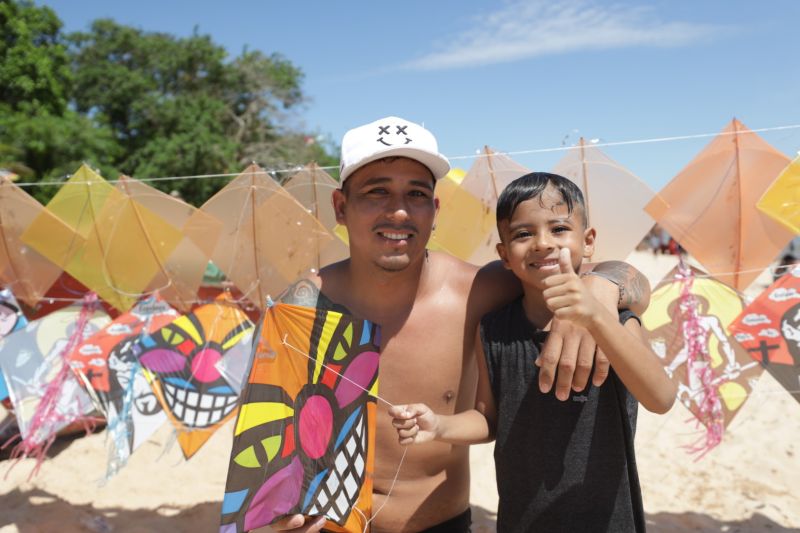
(304, 438)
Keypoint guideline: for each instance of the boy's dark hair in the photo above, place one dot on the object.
(532, 186)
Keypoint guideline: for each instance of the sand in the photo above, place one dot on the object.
(745, 484)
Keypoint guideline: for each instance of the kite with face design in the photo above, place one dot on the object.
(769, 329)
(180, 362)
(107, 366)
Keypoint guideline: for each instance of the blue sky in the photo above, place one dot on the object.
(519, 76)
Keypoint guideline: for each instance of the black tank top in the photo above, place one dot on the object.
(561, 466)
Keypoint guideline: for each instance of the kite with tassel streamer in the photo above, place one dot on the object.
(44, 392)
(685, 326)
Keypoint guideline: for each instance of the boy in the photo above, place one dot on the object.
(561, 466)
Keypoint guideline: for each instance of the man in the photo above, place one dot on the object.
(428, 305)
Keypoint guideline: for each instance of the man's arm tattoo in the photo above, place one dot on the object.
(634, 289)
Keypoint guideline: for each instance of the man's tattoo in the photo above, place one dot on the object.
(634, 289)
(304, 292)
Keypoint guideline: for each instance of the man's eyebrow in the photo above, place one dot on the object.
(377, 180)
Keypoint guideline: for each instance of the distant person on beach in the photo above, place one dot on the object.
(428, 305)
(561, 466)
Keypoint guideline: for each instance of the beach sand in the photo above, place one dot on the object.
(745, 484)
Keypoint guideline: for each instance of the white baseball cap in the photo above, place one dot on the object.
(390, 137)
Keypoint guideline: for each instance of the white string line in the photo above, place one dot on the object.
(386, 497)
(301, 352)
(452, 158)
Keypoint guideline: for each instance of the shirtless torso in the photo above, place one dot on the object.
(427, 353)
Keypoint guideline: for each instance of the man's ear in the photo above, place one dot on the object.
(501, 251)
(588, 242)
(339, 200)
(436, 211)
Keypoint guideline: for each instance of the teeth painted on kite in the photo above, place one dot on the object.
(219, 401)
(181, 395)
(189, 416)
(207, 401)
(178, 410)
(202, 418)
(192, 399)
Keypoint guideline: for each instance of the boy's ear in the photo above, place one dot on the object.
(339, 199)
(501, 251)
(588, 242)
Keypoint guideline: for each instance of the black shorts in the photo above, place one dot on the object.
(458, 524)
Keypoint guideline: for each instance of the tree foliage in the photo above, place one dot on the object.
(142, 103)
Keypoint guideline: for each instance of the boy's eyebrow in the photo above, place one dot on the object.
(558, 220)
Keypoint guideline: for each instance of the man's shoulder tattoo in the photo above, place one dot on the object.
(303, 292)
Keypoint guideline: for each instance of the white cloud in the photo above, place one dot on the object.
(90, 349)
(119, 329)
(752, 319)
(769, 332)
(742, 337)
(525, 29)
(781, 294)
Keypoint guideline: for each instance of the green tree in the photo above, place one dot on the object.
(143, 103)
(38, 129)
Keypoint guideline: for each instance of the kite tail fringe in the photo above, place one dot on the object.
(119, 426)
(42, 433)
(698, 368)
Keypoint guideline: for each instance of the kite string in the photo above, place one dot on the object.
(301, 352)
(460, 157)
(405, 449)
(386, 498)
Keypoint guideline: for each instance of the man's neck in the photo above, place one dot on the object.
(383, 295)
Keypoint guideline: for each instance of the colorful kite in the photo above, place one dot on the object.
(23, 270)
(304, 439)
(269, 240)
(107, 365)
(710, 206)
(466, 226)
(446, 189)
(118, 245)
(11, 320)
(180, 274)
(769, 329)
(312, 187)
(782, 200)
(614, 197)
(686, 327)
(45, 393)
(179, 360)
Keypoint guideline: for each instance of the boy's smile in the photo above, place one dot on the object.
(537, 230)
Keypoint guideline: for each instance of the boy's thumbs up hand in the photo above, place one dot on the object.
(565, 262)
(565, 295)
